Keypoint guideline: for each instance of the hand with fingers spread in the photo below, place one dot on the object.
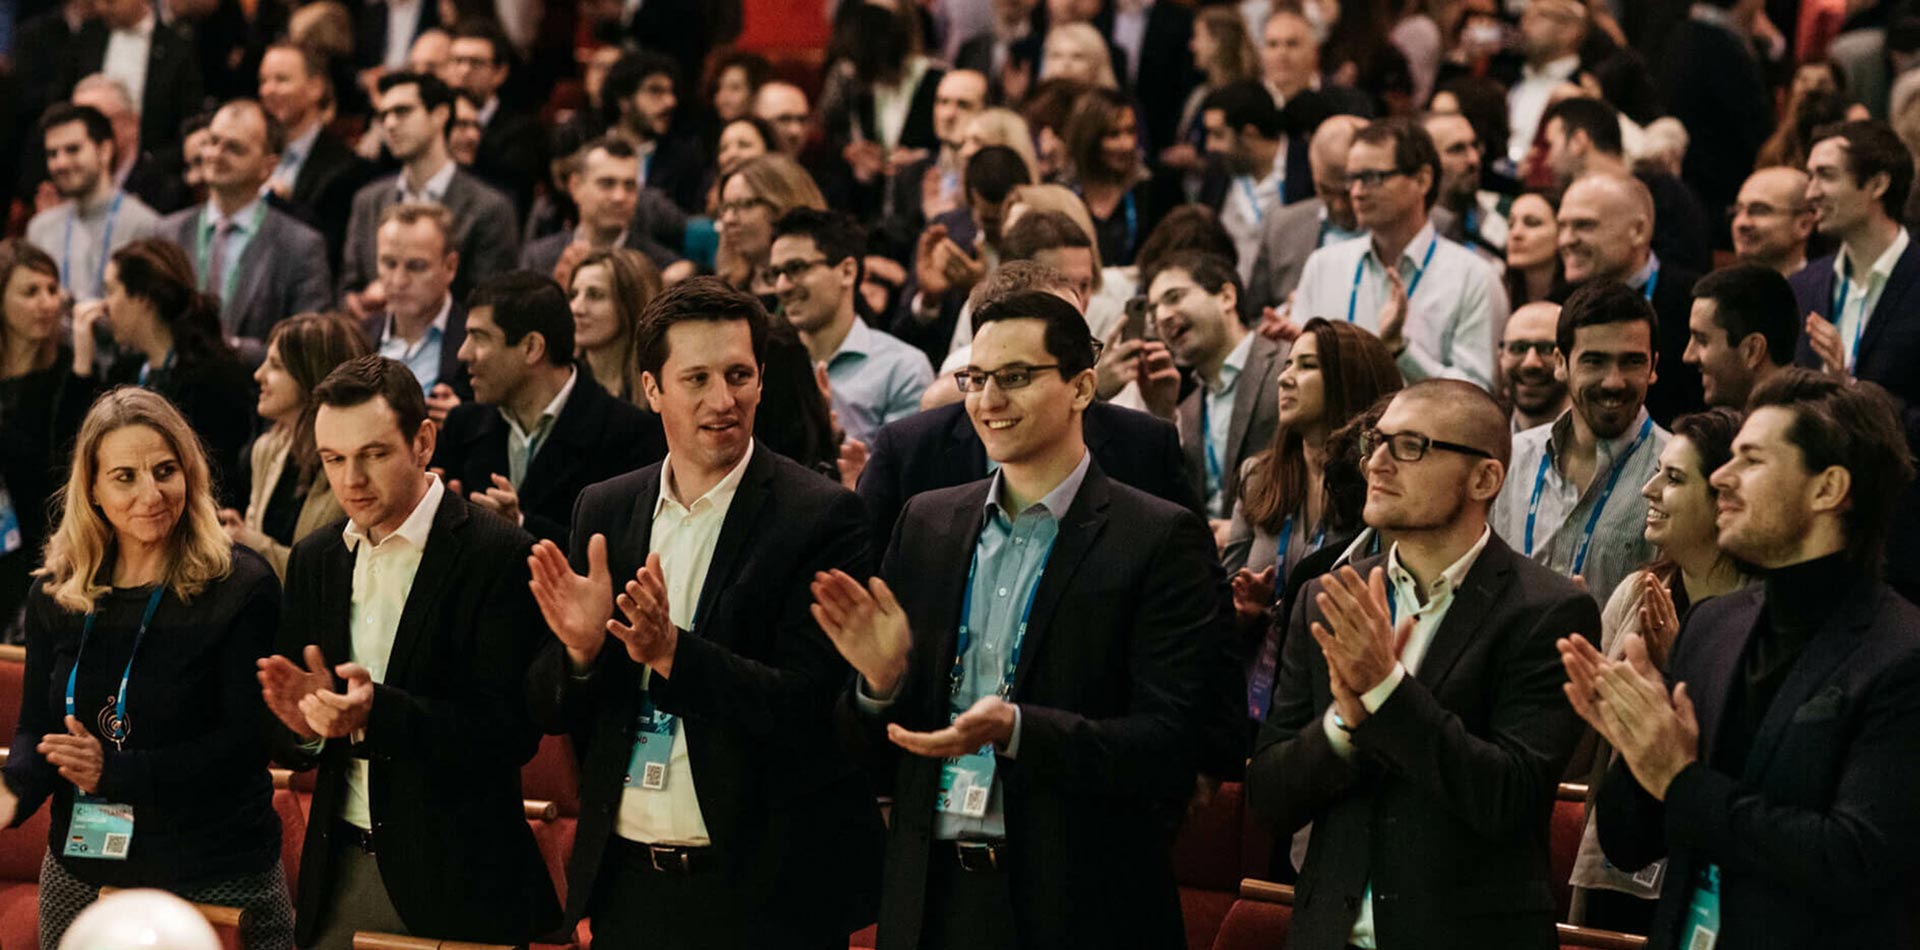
(1359, 639)
(77, 753)
(1659, 620)
(1393, 313)
(501, 499)
(1823, 337)
(1253, 592)
(339, 715)
(648, 632)
(990, 720)
(1159, 379)
(577, 609)
(867, 625)
(1656, 732)
(1277, 325)
(284, 686)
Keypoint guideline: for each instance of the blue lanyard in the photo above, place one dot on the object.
(117, 728)
(106, 241)
(1133, 221)
(1360, 270)
(1599, 504)
(1840, 311)
(964, 637)
(146, 369)
(1215, 470)
(1246, 187)
(1286, 541)
(1653, 280)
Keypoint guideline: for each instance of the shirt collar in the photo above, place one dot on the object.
(554, 407)
(298, 149)
(488, 111)
(1443, 587)
(1057, 501)
(1882, 267)
(436, 189)
(1418, 245)
(1556, 70)
(1646, 271)
(1610, 449)
(439, 322)
(582, 236)
(413, 531)
(1235, 362)
(142, 30)
(242, 219)
(859, 341)
(720, 495)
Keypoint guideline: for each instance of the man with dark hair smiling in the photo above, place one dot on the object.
(1776, 775)
(1047, 667)
(1742, 330)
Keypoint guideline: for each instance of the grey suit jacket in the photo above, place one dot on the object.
(283, 271)
(1256, 414)
(1292, 233)
(542, 255)
(486, 231)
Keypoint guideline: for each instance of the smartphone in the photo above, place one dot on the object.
(1137, 323)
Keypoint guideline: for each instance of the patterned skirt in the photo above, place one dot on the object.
(268, 924)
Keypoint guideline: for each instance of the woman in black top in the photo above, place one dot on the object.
(41, 402)
(1102, 142)
(163, 617)
(170, 336)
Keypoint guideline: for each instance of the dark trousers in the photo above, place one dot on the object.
(356, 899)
(634, 905)
(966, 910)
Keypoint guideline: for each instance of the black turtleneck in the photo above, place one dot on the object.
(1800, 599)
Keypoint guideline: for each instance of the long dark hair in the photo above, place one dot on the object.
(1096, 112)
(310, 345)
(158, 272)
(1355, 371)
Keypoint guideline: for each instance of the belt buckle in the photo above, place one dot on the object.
(977, 855)
(679, 861)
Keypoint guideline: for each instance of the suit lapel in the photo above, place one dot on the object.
(964, 451)
(336, 587)
(1893, 304)
(1472, 603)
(949, 557)
(1246, 397)
(1078, 532)
(570, 443)
(1818, 659)
(437, 565)
(251, 282)
(488, 452)
(1193, 441)
(1712, 680)
(756, 490)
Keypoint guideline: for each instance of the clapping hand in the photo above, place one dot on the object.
(867, 625)
(339, 715)
(1393, 314)
(1253, 593)
(501, 499)
(577, 609)
(990, 720)
(1659, 620)
(76, 753)
(649, 633)
(1359, 639)
(285, 686)
(1823, 337)
(1626, 701)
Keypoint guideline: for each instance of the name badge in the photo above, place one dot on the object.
(965, 783)
(99, 829)
(1703, 913)
(10, 538)
(652, 746)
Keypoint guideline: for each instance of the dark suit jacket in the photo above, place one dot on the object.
(596, 437)
(1166, 73)
(323, 192)
(679, 170)
(513, 156)
(939, 448)
(1816, 840)
(1677, 391)
(174, 89)
(542, 255)
(370, 31)
(283, 271)
(918, 130)
(754, 683)
(1117, 687)
(1716, 89)
(452, 371)
(1443, 809)
(448, 734)
(1256, 414)
(1889, 355)
(485, 231)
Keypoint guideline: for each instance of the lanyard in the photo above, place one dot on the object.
(117, 727)
(1246, 188)
(1360, 270)
(106, 242)
(1840, 311)
(146, 369)
(1653, 280)
(1215, 471)
(1599, 504)
(1286, 541)
(1133, 221)
(964, 637)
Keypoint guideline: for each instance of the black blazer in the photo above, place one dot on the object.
(323, 191)
(452, 371)
(790, 813)
(1716, 88)
(1256, 414)
(1677, 391)
(595, 438)
(1166, 73)
(174, 90)
(1118, 689)
(939, 448)
(1816, 840)
(1444, 807)
(513, 156)
(448, 734)
(678, 169)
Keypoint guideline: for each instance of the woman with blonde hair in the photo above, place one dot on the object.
(1078, 52)
(751, 199)
(999, 126)
(609, 291)
(145, 727)
(289, 497)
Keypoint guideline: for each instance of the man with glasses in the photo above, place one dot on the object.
(1041, 669)
(816, 264)
(1434, 303)
(1772, 220)
(1293, 232)
(512, 153)
(1574, 502)
(1466, 213)
(1423, 742)
(1534, 389)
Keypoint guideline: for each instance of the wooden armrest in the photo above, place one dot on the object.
(1599, 939)
(1254, 889)
(282, 778)
(538, 810)
(218, 915)
(1572, 792)
(12, 653)
(365, 940)
(5, 754)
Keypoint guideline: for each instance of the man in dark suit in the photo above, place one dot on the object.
(1777, 777)
(1716, 86)
(415, 113)
(603, 179)
(717, 809)
(417, 823)
(159, 67)
(380, 43)
(1049, 667)
(513, 148)
(317, 174)
(1419, 724)
(1153, 61)
(1232, 414)
(538, 430)
(423, 323)
(640, 96)
(263, 264)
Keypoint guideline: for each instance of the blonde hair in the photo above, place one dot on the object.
(1091, 43)
(781, 182)
(1001, 126)
(201, 551)
(1062, 199)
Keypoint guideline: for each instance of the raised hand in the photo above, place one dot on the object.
(990, 720)
(1393, 313)
(1659, 621)
(284, 685)
(440, 402)
(1823, 336)
(1655, 731)
(76, 753)
(1117, 365)
(577, 609)
(501, 499)
(852, 461)
(1253, 593)
(1159, 379)
(1359, 638)
(648, 632)
(929, 262)
(1583, 664)
(1278, 325)
(867, 626)
(85, 344)
(339, 715)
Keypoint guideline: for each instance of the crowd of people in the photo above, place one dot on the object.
(1027, 416)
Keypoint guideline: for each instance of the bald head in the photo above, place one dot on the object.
(1327, 154)
(1461, 412)
(1606, 227)
(1772, 220)
(783, 106)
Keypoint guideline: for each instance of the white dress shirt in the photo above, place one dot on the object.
(403, 21)
(1456, 305)
(1130, 32)
(1861, 292)
(891, 104)
(1527, 101)
(382, 578)
(293, 158)
(436, 186)
(126, 60)
(1428, 614)
(1244, 213)
(684, 536)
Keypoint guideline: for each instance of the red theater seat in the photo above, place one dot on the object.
(1569, 822)
(13, 669)
(1258, 919)
(20, 852)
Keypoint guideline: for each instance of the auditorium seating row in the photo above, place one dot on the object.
(1223, 860)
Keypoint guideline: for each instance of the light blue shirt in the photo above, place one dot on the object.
(1219, 421)
(423, 357)
(876, 379)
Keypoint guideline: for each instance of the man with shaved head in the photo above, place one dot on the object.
(1606, 234)
(1772, 220)
(1297, 230)
(1408, 732)
(784, 106)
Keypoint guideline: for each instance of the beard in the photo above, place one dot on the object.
(1546, 392)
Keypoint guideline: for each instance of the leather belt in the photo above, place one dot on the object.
(667, 858)
(355, 835)
(980, 856)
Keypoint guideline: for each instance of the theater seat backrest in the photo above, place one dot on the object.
(1568, 824)
(12, 676)
(552, 775)
(293, 834)
(1258, 920)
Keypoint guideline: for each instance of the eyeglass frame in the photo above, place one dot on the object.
(792, 273)
(1545, 348)
(963, 378)
(1374, 177)
(1372, 439)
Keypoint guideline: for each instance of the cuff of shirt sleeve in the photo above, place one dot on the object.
(1012, 750)
(869, 704)
(313, 746)
(1336, 736)
(1376, 697)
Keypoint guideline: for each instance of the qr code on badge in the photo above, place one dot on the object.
(116, 846)
(654, 775)
(1702, 939)
(975, 802)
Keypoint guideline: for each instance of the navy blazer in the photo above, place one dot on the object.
(1818, 841)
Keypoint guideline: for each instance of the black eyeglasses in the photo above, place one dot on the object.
(792, 270)
(1412, 446)
(1373, 178)
(1006, 377)
(1519, 349)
